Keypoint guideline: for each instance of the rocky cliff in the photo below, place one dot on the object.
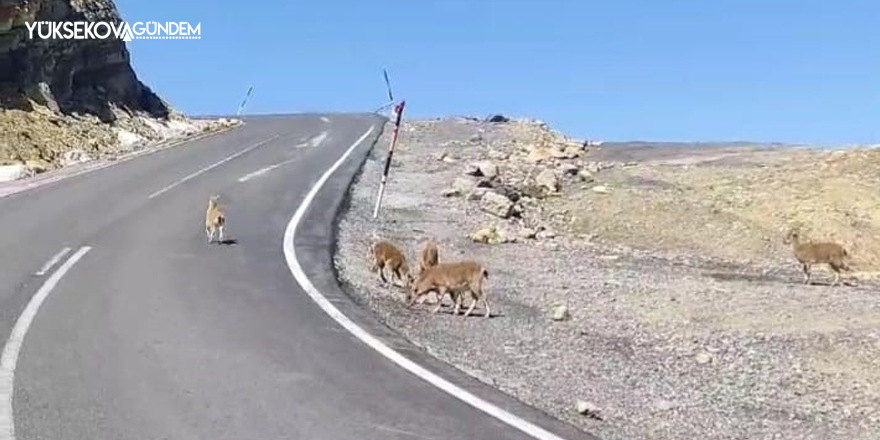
(64, 100)
(82, 76)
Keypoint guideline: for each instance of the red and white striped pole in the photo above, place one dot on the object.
(398, 111)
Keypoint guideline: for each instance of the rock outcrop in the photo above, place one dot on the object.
(70, 76)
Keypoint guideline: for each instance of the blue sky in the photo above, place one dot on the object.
(771, 70)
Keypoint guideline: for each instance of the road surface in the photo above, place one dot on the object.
(139, 329)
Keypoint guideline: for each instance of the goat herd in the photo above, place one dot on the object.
(458, 278)
(453, 278)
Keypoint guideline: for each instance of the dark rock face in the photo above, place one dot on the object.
(84, 76)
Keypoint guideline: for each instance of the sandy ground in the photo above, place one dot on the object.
(687, 316)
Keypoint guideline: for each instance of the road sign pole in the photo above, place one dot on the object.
(398, 110)
(244, 101)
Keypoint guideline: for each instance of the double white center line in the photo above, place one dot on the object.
(9, 359)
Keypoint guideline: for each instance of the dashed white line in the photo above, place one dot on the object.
(262, 171)
(325, 120)
(315, 141)
(52, 262)
(373, 342)
(9, 359)
(212, 166)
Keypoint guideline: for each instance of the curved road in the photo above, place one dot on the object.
(148, 332)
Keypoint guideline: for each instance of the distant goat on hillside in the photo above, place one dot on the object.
(809, 253)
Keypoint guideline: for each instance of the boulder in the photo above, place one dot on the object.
(496, 204)
(547, 179)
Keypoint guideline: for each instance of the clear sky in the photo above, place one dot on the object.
(764, 70)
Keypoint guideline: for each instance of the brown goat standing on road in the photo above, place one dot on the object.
(215, 219)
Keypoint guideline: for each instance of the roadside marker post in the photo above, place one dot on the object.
(244, 101)
(398, 110)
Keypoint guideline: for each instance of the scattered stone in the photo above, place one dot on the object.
(477, 194)
(496, 204)
(539, 154)
(573, 152)
(484, 235)
(508, 191)
(37, 165)
(489, 235)
(703, 358)
(547, 179)
(596, 167)
(72, 157)
(569, 169)
(498, 155)
(487, 169)
(450, 192)
(463, 185)
(586, 176)
(585, 408)
(561, 313)
(476, 139)
(630, 164)
(558, 154)
(532, 191)
(528, 233)
(546, 234)
(472, 170)
(601, 189)
(517, 211)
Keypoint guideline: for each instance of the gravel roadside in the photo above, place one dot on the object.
(656, 345)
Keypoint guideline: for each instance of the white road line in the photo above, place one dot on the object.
(325, 120)
(376, 344)
(52, 262)
(212, 166)
(262, 171)
(315, 141)
(9, 359)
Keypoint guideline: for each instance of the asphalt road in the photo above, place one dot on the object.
(155, 334)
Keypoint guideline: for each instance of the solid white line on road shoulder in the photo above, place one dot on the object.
(212, 166)
(52, 261)
(376, 344)
(9, 359)
(262, 171)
